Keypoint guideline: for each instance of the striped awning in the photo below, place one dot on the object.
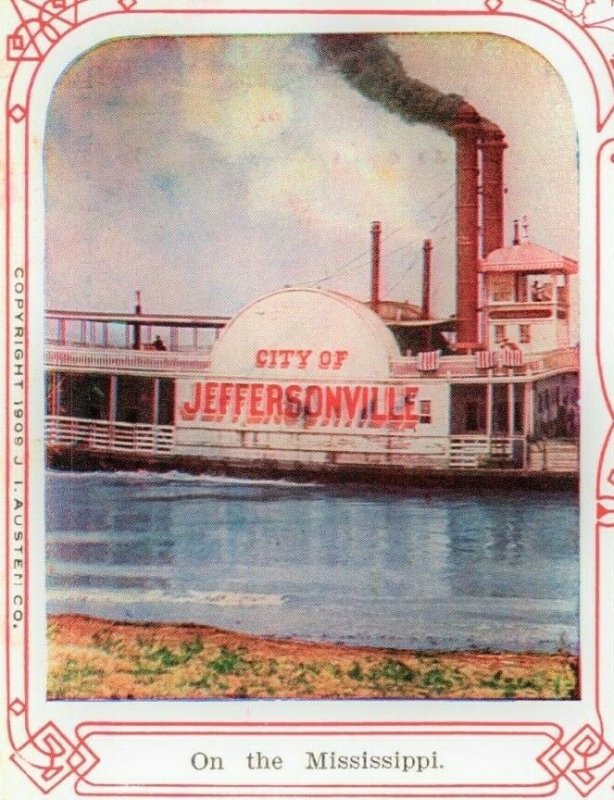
(428, 361)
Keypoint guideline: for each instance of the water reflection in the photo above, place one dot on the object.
(445, 570)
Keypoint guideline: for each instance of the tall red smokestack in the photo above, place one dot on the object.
(492, 145)
(376, 233)
(467, 131)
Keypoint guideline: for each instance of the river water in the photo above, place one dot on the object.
(438, 570)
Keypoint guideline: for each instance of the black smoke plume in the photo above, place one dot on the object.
(376, 71)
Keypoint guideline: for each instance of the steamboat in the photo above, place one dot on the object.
(311, 383)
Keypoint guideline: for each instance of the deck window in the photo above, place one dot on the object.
(500, 417)
(425, 409)
(166, 402)
(84, 396)
(135, 399)
(472, 419)
(467, 409)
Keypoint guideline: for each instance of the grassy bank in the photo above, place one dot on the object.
(92, 658)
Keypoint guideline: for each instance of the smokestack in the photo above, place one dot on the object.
(377, 72)
(376, 232)
(426, 279)
(467, 130)
(492, 145)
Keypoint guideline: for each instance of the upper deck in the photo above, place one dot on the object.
(108, 343)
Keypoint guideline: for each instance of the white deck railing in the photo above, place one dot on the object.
(472, 452)
(464, 366)
(554, 360)
(112, 359)
(447, 366)
(97, 434)
(173, 363)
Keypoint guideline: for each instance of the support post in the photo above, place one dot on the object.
(55, 387)
(113, 399)
(527, 427)
(531, 393)
(156, 401)
(489, 407)
(112, 408)
(555, 309)
(510, 408)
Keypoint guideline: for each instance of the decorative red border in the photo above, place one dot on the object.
(47, 755)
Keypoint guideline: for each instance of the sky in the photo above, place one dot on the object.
(209, 171)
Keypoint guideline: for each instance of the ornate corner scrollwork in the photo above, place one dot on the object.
(588, 13)
(591, 13)
(48, 757)
(36, 34)
(597, 19)
(585, 760)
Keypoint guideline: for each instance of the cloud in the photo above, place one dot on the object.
(190, 161)
(234, 93)
(344, 160)
(310, 149)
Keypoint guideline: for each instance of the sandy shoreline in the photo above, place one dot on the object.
(95, 658)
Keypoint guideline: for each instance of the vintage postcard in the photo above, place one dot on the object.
(309, 482)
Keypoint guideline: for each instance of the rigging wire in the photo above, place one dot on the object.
(414, 257)
(343, 268)
(444, 219)
(347, 265)
(406, 271)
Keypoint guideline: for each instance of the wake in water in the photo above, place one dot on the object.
(174, 477)
(225, 599)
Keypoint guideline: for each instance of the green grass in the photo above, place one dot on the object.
(74, 677)
(128, 664)
(229, 662)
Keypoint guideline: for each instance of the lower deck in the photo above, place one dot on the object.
(492, 420)
(319, 450)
